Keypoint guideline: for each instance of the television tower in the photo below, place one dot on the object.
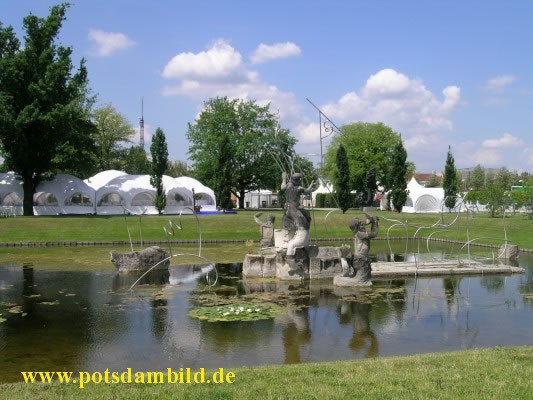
(141, 125)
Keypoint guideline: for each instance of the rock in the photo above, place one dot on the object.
(141, 260)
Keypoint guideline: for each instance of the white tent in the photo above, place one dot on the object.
(11, 194)
(422, 199)
(64, 194)
(207, 200)
(109, 192)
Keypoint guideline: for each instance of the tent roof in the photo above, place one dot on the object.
(103, 178)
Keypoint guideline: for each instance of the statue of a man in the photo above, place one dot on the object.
(267, 230)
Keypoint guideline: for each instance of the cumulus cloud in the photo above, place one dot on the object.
(219, 71)
(265, 52)
(507, 140)
(107, 43)
(220, 62)
(499, 83)
(401, 102)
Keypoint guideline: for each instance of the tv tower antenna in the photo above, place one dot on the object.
(141, 125)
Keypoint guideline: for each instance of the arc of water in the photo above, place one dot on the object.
(170, 230)
(209, 281)
(129, 212)
(406, 226)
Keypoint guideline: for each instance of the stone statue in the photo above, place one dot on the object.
(296, 219)
(359, 265)
(267, 230)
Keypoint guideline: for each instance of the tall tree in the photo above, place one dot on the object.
(44, 104)
(176, 169)
(254, 139)
(134, 161)
(112, 131)
(342, 179)
(368, 145)
(476, 178)
(159, 152)
(450, 181)
(397, 176)
(224, 179)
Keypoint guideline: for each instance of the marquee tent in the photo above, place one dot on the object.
(109, 192)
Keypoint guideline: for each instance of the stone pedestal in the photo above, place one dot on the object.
(141, 260)
(508, 252)
(350, 282)
(312, 262)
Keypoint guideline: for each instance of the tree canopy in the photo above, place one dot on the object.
(253, 140)
(450, 181)
(368, 145)
(112, 130)
(44, 104)
(342, 180)
(396, 176)
(159, 152)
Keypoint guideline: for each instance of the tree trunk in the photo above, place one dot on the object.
(241, 199)
(27, 203)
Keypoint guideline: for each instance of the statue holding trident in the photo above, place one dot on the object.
(296, 219)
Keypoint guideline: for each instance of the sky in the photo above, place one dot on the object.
(440, 73)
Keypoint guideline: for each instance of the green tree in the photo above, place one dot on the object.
(504, 178)
(224, 172)
(112, 131)
(159, 152)
(44, 104)
(476, 178)
(397, 176)
(433, 181)
(342, 179)
(368, 145)
(134, 161)
(254, 140)
(176, 169)
(450, 181)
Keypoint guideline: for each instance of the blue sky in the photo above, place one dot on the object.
(441, 73)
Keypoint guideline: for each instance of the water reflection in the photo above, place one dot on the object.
(92, 321)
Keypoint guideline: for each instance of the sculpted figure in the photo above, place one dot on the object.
(360, 262)
(266, 229)
(296, 219)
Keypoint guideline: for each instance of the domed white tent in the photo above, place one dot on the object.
(207, 196)
(422, 199)
(11, 194)
(103, 178)
(126, 193)
(178, 197)
(64, 194)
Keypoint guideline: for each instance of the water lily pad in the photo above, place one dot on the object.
(237, 312)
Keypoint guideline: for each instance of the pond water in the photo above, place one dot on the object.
(90, 321)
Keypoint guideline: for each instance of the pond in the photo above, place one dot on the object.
(92, 321)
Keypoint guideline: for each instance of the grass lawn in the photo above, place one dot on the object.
(241, 226)
(497, 373)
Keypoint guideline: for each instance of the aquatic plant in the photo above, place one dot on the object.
(237, 312)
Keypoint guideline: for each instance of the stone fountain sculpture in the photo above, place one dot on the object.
(357, 269)
(292, 258)
(296, 222)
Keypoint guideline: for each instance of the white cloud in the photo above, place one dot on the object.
(486, 157)
(219, 71)
(507, 140)
(403, 103)
(265, 52)
(107, 43)
(220, 62)
(499, 83)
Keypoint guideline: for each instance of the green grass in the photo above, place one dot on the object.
(497, 373)
(241, 226)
